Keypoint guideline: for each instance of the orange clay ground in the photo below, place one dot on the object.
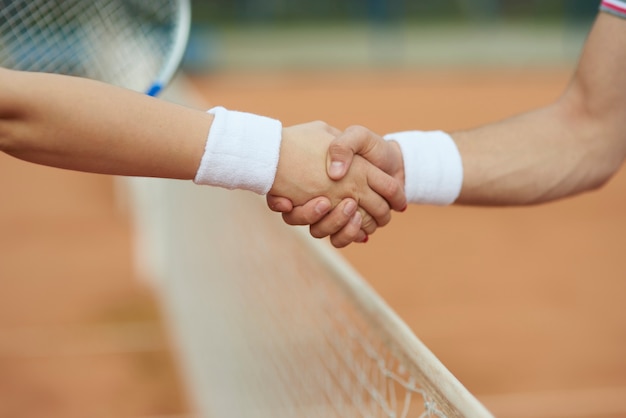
(526, 306)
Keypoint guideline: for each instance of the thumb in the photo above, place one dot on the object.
(354, 140)
(339, 159)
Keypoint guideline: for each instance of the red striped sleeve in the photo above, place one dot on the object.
(615, 7)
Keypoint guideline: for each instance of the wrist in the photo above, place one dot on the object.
(299, 174)
(241, 151)
(433, 169)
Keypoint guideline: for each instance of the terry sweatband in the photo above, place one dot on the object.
(433, 169)
(241, 151)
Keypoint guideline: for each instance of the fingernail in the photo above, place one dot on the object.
(349, 208)
(336, 168)
(322, 207)
(356, 219)
(364, 240)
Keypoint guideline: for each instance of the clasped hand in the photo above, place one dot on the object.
(342, 184)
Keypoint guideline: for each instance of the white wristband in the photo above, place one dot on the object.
(433, 169)
(241, 151)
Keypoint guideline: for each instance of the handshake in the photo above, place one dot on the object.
(343, 184)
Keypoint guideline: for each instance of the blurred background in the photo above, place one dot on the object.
(378, 33)
(526, 306)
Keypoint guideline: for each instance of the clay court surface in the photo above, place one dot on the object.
(526, 306)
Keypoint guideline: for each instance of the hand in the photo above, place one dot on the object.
(345, 220)
(359, 140)
(339, 224)
(301, 176)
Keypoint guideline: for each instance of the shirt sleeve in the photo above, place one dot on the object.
(614, 7)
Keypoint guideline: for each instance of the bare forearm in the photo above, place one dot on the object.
(89, 126)
(84, 125)
(571, 146)
(536, 157)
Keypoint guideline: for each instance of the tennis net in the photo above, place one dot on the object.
(273, 323)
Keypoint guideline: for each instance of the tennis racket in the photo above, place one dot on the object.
(135, 44)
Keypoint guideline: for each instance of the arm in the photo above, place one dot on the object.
(85, 125)
(571, 146)
(568, 147)
(80, 124)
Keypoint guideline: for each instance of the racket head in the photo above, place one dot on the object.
(135, 44)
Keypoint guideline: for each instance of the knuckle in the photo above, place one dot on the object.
(296, 217)
(395, 195)
(334, 222)
(305, 215)
(381, 210)
(357, 130)
(307, 218)
(338, 223)
(384, 220)
(321, 124)
(368, 224)
(393, 187)
(337, 148)
(346, 236)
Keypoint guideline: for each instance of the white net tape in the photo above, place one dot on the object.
(270, 326)
(122, 42)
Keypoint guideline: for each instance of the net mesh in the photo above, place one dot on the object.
(122, 42)
(269, 326)
(316, 350)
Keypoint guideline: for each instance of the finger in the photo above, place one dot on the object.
(387, 187)
(351, 232)
(368, 223)
(354, 140)
(278, 203)
(309, 213)
(377, 207)
(335, 220)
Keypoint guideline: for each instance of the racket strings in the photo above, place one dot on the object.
(121, 42)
